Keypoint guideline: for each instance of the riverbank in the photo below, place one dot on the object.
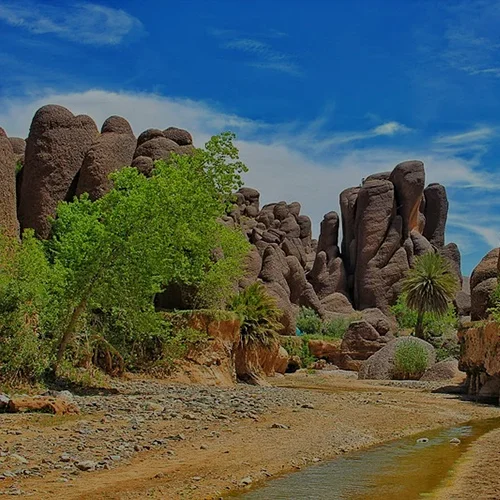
(158, 440)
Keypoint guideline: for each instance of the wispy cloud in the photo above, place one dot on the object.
(263, 54)
(86, 23)
(472, 38)
(480, 134)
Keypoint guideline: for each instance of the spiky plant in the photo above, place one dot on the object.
(258, 314)
(429, 287)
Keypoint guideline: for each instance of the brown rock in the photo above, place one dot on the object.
(158, 148)
(379, 321)
(452, 254)
(486, 269)
(409, 181)
(113, 150)
(327, 277)
(328, 350)
(337, 303)
(290, 227)
(361, 340)
(57, 144)
(8, 215)
(147, 135)
(281, 211)
(328, 238)
(481, 299)
(178, 135)
(436, 213)
(444, 370)
(44, 404)
(144, 164)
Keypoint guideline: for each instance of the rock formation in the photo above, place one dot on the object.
(57, 144)
(483, 281)
(8, 218)
(112, 150)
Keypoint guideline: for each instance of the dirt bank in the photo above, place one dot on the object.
(476, 476)
(159, 440)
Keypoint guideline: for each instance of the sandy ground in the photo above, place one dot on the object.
(310, 418)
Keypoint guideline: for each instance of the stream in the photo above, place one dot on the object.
(403, 469)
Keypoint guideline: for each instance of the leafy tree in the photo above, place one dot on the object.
(429, 287)
(258, 315)
(25, 283)
(116, 253)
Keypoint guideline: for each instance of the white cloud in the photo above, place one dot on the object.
(283, 166)
(390, 128)
(480, 134)
(86, 23)
(265, 56)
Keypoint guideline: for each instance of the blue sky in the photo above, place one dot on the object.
(321, 94)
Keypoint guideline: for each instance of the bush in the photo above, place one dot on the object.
(410, 361)
(336, 328)
(298, 346)
(308, 321)
(258, 314)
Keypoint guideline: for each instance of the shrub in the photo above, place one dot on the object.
(410, 360)
(298, 346)
(308, 321)
(336, 328)
(258, 314)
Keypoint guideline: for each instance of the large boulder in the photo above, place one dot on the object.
(8, 216)
(444, 370)
(113, 150)
(362, 341)
(483, 281)
(436, 213)
(380, 366)
(57, 144)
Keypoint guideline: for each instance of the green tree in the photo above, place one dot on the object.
(116, 253)
(429, 287)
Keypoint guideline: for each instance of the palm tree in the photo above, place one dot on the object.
(429, 287)
(259, 316)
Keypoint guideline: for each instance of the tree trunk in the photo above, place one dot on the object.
(69, 331)
(419, 327)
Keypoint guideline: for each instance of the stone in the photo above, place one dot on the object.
(436, 214)
(462, 303)
(86, 465)
(361, 341)
(481, 299)
(452, 254)
(4, 401)
(281, 211)
(328, 238)
(19, 147)
(380, 176)
(337, 303)
(443, 370)
(380, 366)
(56, 147)
(420, 244)
(409, 182)
(44, 404)
(178, 135)
(158, 148)
(147, 135)
(328, 350)
(144, 164)
(379, 321)
(8, 203)
(113, 150)
(327, 277)
(290, 227)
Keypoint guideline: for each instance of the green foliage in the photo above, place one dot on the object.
(298, 346)
(410, 360)
(25, 280)
(429, 287)
(258, 314)
(308, 321)
(19, 166)
(88, 292)
(336, 328)
(494, 310)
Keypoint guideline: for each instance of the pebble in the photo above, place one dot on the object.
(455, 441)
(279, 426)
(423, 440)
(86, 465)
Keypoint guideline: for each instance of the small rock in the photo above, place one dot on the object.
(455, 441)
(279, 426)
(65, 457)
(4, 401)
(423, 440)
(86, 465)
(308, 406)
(246, 481)
(203, 447)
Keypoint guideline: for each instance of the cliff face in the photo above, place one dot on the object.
(480, 359)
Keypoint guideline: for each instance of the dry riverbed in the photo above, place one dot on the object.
(158, 440)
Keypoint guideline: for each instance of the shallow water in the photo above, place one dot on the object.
(398, 470)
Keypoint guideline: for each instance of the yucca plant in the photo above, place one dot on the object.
(258, 314)
(429, 287)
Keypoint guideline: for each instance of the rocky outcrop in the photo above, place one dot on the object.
(380, 366)
(8, 216)
(479, 358)
(436, 213)
(483, 281)
(113, 150)
(57, 144)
